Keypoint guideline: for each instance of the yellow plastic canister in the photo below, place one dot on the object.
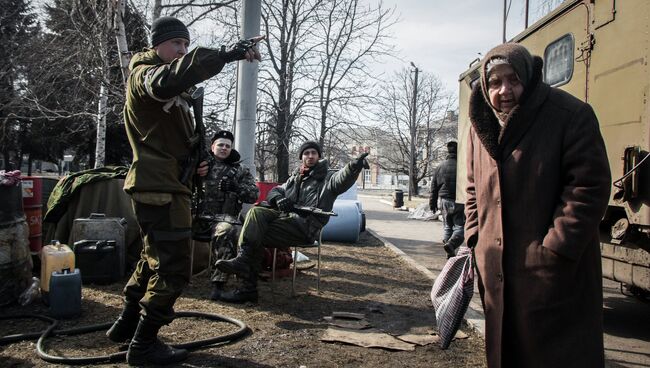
(54, 257)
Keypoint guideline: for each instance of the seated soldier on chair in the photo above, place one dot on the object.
(227, 186)
(311, 185)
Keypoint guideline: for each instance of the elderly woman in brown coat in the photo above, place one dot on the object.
(538, 185)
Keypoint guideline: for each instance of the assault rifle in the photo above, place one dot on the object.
(201, 225)
(314, 210)
(197, 142)
(303, 209)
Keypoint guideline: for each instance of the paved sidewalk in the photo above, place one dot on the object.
(418, 242)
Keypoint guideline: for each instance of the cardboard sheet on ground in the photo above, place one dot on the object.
(366, 338)
(347, 323)
(348, 315)
(419, 339)
(460, 335)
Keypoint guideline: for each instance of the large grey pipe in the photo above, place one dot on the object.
(247, 88)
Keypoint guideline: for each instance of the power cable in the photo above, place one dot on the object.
(119, 356)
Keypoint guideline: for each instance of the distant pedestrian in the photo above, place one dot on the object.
(538, 186)
(443, 186)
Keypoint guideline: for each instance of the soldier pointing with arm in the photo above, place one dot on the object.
(160, 130)
(311, 185)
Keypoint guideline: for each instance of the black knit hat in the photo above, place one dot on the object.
(307, 145)
(223, 134)
(452, 147)
(166, 28)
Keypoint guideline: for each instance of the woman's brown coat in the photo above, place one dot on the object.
(536, 192)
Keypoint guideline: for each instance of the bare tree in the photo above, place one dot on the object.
(195, 10)
(264, 152)
(350, 36)
(70, 84)
(289, 25)
(400, 128)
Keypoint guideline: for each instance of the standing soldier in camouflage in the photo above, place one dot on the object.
(160, 129)
(227, 186)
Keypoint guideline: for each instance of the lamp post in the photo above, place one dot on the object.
(413, 133)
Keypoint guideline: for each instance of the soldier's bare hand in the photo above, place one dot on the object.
(203, 168)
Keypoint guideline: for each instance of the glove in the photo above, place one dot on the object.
(361, 162)
(237, 51)
(226, 185)
(433, 205)
(284, 204)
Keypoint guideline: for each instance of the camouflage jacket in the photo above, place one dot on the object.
(229, 203)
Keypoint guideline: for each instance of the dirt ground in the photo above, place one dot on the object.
(364, 278)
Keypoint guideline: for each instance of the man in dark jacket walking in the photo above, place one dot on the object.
(443, 185)
(161, 131)
(311, 185)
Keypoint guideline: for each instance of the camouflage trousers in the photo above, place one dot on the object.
(163, 270)
(223, 246)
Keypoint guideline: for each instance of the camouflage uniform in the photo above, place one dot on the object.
(159, 126)
(225, 207)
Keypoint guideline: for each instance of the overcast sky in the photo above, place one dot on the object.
(443, 36)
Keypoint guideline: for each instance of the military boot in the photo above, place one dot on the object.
(244, 265)
(146, 349)
(246, 293)
(125, 325)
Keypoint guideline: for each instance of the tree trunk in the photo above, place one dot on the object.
(120, 35)
(283, 128)
(260, 174)
(282, 151)
(7, 161)
(29, 165)
(157, 9)
(100, 141)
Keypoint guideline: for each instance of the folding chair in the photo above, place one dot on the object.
(316, 244)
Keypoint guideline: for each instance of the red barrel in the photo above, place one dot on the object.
(264, 187)
(33, 206)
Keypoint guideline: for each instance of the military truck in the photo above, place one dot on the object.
(598, 50)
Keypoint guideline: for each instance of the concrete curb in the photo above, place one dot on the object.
(474, 315)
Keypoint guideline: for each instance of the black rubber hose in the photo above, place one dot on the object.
(119, 356)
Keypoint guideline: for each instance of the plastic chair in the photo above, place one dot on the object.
(316, 244)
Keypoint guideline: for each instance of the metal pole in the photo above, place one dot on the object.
(527, 10)
(505, 16)
(247, 88)
(413, 131)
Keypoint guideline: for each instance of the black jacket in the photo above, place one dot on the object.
(319, 189)
(443, 183)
